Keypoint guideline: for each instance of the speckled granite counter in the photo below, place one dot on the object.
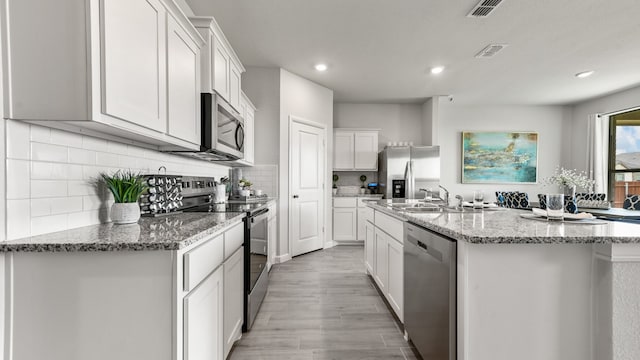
(379, 196)
(171, 232)
(506, 226)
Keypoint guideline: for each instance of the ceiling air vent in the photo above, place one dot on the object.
(484, 8)
(490, 50)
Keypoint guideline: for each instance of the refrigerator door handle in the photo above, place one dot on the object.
(409, 181)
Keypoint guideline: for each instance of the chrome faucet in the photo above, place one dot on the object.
(460, 199)
(446, 195)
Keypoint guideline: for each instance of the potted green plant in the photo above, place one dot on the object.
(126, 187)
(245, 187)
(363, 179)
(334, 190)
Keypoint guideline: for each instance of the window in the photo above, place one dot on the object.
(624, 156)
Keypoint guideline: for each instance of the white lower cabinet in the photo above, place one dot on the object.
(344, 224)
(384, 258)
(203, 319)
(184, 304)
(381, 269)
(369, 247)
(233, 299)
(395, 276)
(350, 215)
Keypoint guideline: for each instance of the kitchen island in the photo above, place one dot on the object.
(531, 289)
(155, 290)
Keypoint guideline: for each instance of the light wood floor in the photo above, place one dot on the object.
(322, 305)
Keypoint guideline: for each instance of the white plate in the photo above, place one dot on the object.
(592, 221)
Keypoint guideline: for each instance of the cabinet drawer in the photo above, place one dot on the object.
(233, 239)
(201, 261)
(367, 213)
(389, 225)
(345, 202)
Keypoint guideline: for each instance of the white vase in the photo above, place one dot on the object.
(570, 190)
(125, 213)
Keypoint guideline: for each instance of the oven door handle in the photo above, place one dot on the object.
(259, 215)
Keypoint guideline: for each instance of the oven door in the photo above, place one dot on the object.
(258, 234)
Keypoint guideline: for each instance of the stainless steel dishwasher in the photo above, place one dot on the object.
(430, 292)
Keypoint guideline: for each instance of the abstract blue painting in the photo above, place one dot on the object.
(499, 157)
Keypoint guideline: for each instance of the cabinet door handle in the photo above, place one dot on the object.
(295, 196)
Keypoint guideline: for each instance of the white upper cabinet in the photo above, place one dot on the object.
(343, 147)
(366, 150)
(247, 110)
(133, 62)
(355, 149)
(122, 69)
(221, 67)
(183, 69)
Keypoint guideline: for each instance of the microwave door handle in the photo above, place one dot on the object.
(240, 136)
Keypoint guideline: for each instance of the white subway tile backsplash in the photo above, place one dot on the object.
(82, 156)
(59, 137)
(48, 188)
(135, 151)
(48, 171)
(127, 162)
(18, 146)
(81, 188)
(41, 207)
(94, 202)
(66, 205)
(51, 176)
(18, 219)
(107, 159)
(74, 172)
(18, 175)
(40, 134)
(48, 152)
(117, 148)
(91, 143)
(47, 224)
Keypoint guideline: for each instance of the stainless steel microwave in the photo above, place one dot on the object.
(222, 129)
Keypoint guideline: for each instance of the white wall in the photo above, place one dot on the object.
(547, 121)
(619, 101)
(50, 174)
(430, 115)
(305, 99)
(262, 86)
(398, 122)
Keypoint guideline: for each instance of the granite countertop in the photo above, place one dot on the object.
(506, 226)
(172, 232)
(359, 195)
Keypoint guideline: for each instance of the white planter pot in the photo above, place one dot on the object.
(125, 213)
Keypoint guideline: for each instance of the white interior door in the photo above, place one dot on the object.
(307, 169)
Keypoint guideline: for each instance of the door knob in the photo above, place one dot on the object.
(295, 196)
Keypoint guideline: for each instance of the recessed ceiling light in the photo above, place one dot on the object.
(321, 67)
(437, 69)
(584, 74)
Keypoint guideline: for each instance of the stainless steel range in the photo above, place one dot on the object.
(198, 198)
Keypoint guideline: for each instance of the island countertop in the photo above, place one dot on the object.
(506, 226)
(172, 232)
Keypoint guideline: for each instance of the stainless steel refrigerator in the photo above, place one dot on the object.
(404, 170)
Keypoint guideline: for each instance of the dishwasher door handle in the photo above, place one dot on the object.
(430, 250)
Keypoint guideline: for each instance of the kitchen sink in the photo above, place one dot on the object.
(424, 207)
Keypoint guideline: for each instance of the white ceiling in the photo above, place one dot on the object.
(381, 50)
